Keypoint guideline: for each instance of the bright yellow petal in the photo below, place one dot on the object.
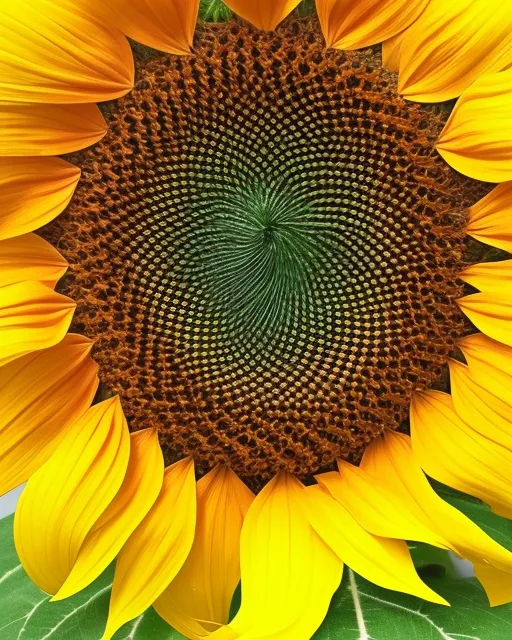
(52, 51)
(451, 45)
(32, 317)
(497, 584)
(384, 561)
(477, 139)
(198, 600)
(289, 574)
(264, 14)
(167, 25)
(452, 452)
(33, 191)
(139, 491)
(63, 500)
(50, 129)
(391, 52)
(490, 277)
(42, 395)
(490, 219)
(157, 549)
(351, 25)
(30, 257)
(491, 313)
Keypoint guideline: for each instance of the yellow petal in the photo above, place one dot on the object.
(490, 219)
(264, 14)
(157, 549)
(289, 574)
(351, 25)
(477, 139)
(139, 491)
(49, 129)
(384, 561)
(30, 257)
(167, 25)
(452, 452)
(63, 500)
(391, 52)
(32, 317)
(42, 395)
(53, 51)
(491, 313)
(198, 600)
(451, 45)
(33, 191)
(490, 277)
(497, 584)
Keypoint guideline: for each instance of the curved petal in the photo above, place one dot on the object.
(52, 51)
(264, 14)
(490, 219)
(139, 491)
(289, 574)
(157, 549)
(30, 258)
(477, 139)
(198, 600)
(351, 25)
(49, 129)
(384, 561)
(63, 500)
(490, 363)
(452, 452)
(33, 191)
(42, 395)
(391, 52)
(167, 25)
(451, 45)
(32, 317)
(490, 277)
(491, 313)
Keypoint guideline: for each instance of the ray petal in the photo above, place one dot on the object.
(264, 14)
(490, 218)
(29, 257)
(491, 312)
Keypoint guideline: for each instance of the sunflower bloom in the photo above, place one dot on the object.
(228, 316)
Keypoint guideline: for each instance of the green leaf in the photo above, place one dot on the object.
(27, 614)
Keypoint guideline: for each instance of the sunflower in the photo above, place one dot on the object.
(272, 247)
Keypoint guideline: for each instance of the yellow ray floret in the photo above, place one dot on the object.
(288, 572)
(32, 317)
(351, 25)
(451, 45)
(43, 395)
(198, 600)
(63, 500)
(157, 549)
(490, 219)
(139, 491)
(29, 257)
(54, 51)
(490, 277)
(49, 129)
(264, 14)
(491, 312)
(477, 139)
(47, 185)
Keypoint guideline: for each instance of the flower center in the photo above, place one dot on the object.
(266, 248)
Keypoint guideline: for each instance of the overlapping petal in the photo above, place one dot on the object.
(490, 219)
(289, 574)
(351, 25)
(157, 549)
(198, 600)
(33, 191)
(42, 395)
(477, 139)
(30, 257)
(49, 129)
(451, 45)
(63, 500)
(491, 312)
(167, 25)
(140, 489)
(490, 277)
(264, 14)
(450, 451)
(32, 317)
(54, 51)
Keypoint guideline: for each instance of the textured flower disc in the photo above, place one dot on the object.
(266, 249)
